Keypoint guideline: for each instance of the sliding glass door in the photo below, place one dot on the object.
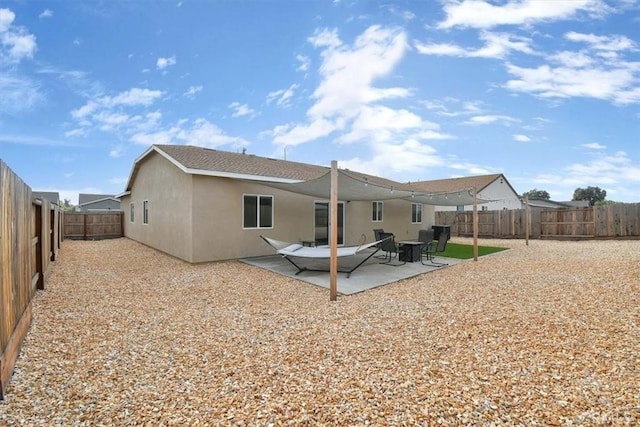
(322, 223)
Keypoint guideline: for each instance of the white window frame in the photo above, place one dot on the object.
(375, 210)
(258, 197)
(145, 212)
(132, 216)
(416, 213)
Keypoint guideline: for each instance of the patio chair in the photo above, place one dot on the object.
(426, 237)
(388, 244)
(432, 250)
(377, 232)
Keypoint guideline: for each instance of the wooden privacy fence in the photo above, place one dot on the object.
(93, 225)
(29, 241)
(620, 220)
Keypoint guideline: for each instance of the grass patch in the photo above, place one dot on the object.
(460, 251)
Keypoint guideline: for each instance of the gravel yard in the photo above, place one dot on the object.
(545, 334)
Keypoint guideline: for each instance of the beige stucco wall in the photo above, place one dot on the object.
(217, 220)
(199, 218)
(169, 192)
(396, 219)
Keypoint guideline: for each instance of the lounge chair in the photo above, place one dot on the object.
(295, 250)
(432, 250)
(388, 244)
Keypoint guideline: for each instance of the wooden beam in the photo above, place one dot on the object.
(527, 219)
(475, 224)
(333, 239)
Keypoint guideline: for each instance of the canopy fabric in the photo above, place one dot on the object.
(352, 187)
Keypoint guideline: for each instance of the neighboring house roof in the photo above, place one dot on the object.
(453, 184)
(88, 198)
(52, 196)
(540, 203)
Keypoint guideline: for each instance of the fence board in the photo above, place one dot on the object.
(93, 225)
(617, 220)
(26, 239)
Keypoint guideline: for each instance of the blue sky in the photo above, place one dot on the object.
(546, 92)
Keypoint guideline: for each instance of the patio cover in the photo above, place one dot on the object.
(353, 186)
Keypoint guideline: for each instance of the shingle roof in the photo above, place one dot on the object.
(206, 159)
(455, 184)
(52, 196)
(87, 198)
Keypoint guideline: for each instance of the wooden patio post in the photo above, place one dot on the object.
(475, 224)
(333, 221)
(527, 219)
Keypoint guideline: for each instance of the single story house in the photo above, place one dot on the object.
(51, 196)
(200, 204)
(97, 203)
(495, 191)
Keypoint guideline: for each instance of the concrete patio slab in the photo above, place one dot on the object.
(368, 276)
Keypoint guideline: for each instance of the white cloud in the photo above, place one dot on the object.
(116, 152)
(47, 13)
(163, 63)
(18, 93)
(490, 118)
(304, 63)
(346, 86)
(610, 43)
(326, 38)
(482, 14)
(282, 97)
(192, 91)
(496, 45)
(299, 134)
(349, 72)
(594, 146)
(16, 43)
(75, 132)
(201, 132)
(121, 180)
(608, 171)
(132, 97)
(240, 110)
(521, 138)
(135, 96)
(617, 83)
(382, 124)
(409, 157)
(6, 19)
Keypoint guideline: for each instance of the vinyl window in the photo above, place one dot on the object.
(131, 212)
(376, 211)
(145, 212)
(416, 213)
(257, 211)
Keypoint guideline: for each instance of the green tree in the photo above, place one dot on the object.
(66, 205)
(592, 194)
(536, 194)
